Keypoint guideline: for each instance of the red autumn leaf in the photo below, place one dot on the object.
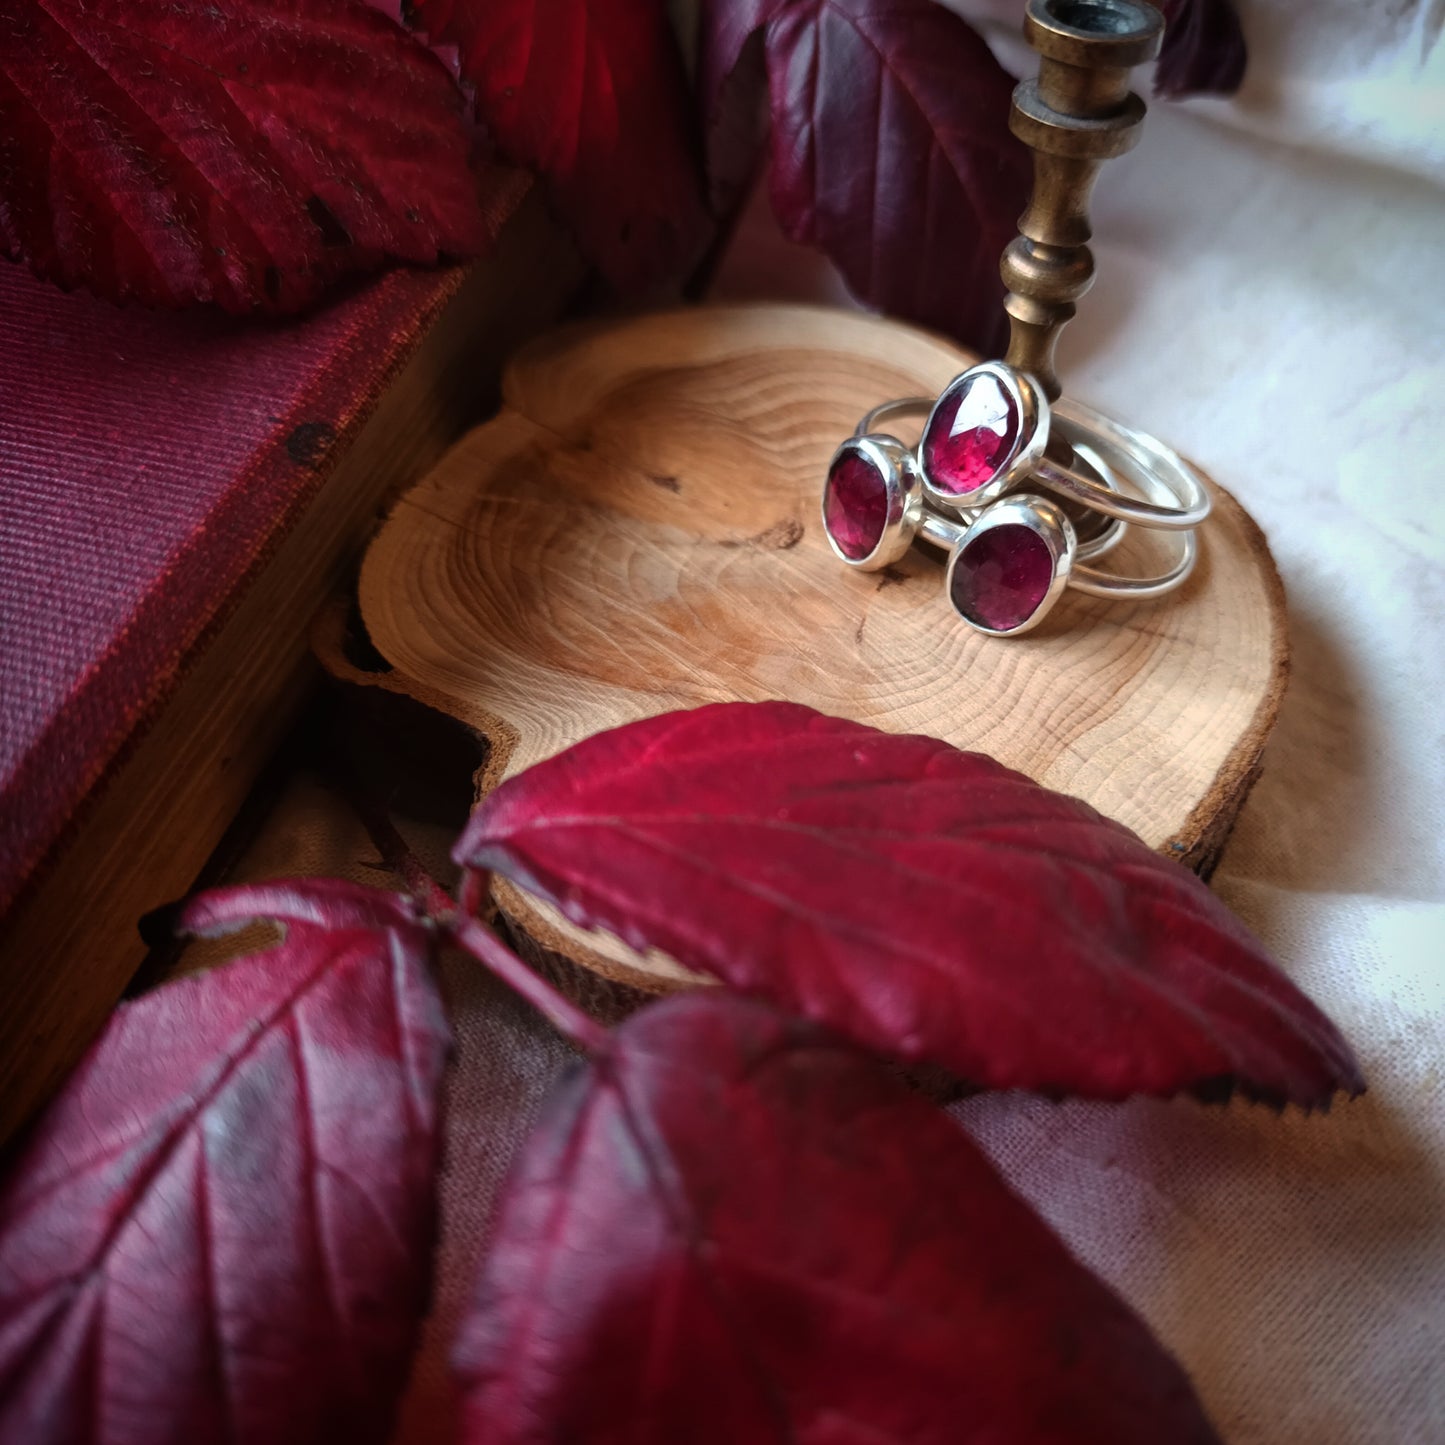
(244, 152)
(890, 148)
(221, 1228)
(731, 1228)
(732, 88)
(926, 902)
(593, 98)
(1204, 51)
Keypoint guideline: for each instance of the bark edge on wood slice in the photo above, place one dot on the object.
(639, 529)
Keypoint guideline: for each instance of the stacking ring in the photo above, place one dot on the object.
(1012, 562)
(1012, 551)
(986, 435)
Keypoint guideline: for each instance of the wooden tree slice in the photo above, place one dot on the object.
(638, 530)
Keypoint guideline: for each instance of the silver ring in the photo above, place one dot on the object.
(1011, 558)
(946, 532)
(1002, 445)
(1175, 497)
(872, 501)
(1015, 558)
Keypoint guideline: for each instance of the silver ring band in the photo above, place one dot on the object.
(949, 534)
(1137, 589)
(1016, 558)
(886, 411)
(1176, 498)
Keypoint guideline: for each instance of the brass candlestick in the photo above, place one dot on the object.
(1078, 113)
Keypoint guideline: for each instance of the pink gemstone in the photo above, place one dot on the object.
(1002, 576)
(855, 505)
(971, 435)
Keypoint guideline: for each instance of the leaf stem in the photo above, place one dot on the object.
(473, 895)
(489, 950)
(463, 930)
(394, 849)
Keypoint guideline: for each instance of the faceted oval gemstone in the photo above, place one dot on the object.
(972, 433)
(855, 505)
(1002, 576)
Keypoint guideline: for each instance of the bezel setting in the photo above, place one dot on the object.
(896, 465)
(1023, 457)
(1044, 520)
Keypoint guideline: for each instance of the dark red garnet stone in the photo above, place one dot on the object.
(972, 434)
(1002, 576)
(855, 505)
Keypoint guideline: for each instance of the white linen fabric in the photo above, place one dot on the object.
(1271, 300)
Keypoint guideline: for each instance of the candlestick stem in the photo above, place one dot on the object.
(1078, 113)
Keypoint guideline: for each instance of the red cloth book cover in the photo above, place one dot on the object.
(149, 465)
